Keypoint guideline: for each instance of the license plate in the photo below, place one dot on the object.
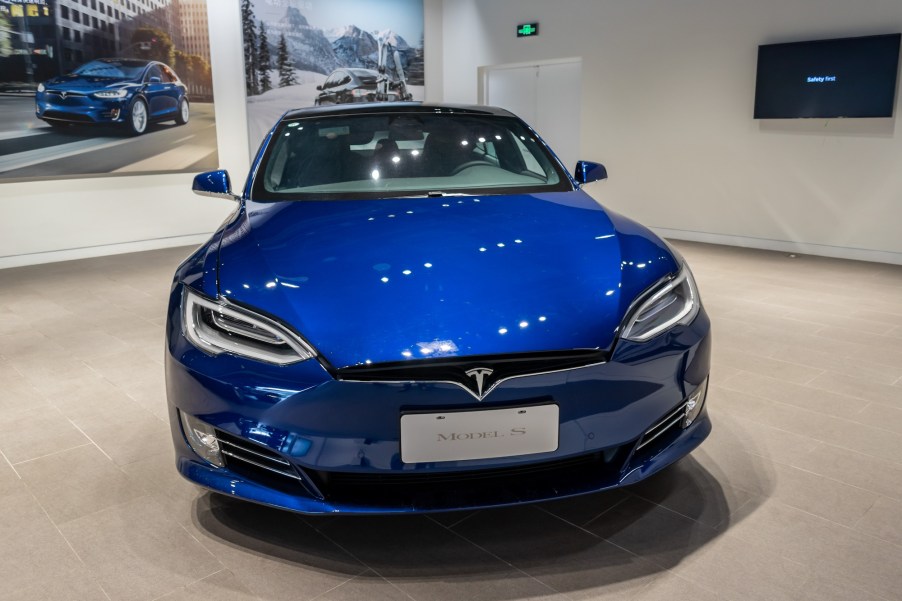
(483, 434)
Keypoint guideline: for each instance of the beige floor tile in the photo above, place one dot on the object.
(880, 476)
(19, 396)
(37, 432)
(77, 482)
(32, 550)
(221, 586)
(830, 499)
(837, 364)
(736, 432)
(689, 489)
(137, 552)
(275, 554)
(875, 341)
(157, 477)
(801, 475)
(742, 569)
(89, 344)
(859, 388)
(124, 368)
(652, 532)
(367, 586)
(817, 425)
(87, 396)
(415, 554)
(48, 366)
(881, 416)
(840, 318)
(883, 520)
(671, 587)
(766, 366)
(582, 566)
(150, 394)
(806, 397)
(8, 475)
(819, 588)
(76, 585)
(583, 509)
(828, 549)
(127, 434)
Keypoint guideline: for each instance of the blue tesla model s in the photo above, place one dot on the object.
(130, 93)
(416, 308)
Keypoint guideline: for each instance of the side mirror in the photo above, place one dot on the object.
(155, 79)
(215, 184)
(319, 88)
(587, 172)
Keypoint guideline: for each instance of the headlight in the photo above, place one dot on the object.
(41, 87)
(675, 302)
(120, 93)
(221, 327)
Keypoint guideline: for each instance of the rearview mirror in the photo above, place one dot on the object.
(215, 184)
(587, 172)
(155, 79)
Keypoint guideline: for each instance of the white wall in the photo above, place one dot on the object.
(58, 220)
(667, 99)
(667, 102)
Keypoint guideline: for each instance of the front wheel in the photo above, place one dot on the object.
(184, 112)
(137, 123)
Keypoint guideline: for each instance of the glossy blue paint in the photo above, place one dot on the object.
(587, 172)
(212, 183)
(380, 281)
(419, 271)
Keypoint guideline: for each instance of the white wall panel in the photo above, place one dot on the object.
(58, 220)
(667, 98)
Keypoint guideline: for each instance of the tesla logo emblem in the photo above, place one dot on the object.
(63, 95)
(479, 375)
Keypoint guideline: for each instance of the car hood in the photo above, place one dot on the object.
(375, 281)
(78, 83)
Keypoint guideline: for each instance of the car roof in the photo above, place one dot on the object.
(396, 107)
(137, 62)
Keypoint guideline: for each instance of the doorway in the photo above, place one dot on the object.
(545, 94)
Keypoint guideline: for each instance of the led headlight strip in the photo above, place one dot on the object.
(222, 327)
(675, 302)
(118, 93)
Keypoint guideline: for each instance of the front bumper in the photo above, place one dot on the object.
(80, 108)
(338, 441)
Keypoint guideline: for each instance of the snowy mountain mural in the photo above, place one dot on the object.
(308, 47)
(356, 48)
(291, 47)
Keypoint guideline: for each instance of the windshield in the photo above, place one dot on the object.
(404, 154)
(117, 69)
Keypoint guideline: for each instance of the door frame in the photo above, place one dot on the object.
(482, 73)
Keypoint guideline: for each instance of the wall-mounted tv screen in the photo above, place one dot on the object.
(849, 77)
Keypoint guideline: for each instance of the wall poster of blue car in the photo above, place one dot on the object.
(301, 53)
(104, 87)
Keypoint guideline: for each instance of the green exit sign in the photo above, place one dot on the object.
(527, 30)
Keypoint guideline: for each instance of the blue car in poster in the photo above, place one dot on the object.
(416, 308)
(131, 93)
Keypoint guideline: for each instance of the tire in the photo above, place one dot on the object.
(184, 112)
(137, 118)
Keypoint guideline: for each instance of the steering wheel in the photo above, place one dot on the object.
(467, 165)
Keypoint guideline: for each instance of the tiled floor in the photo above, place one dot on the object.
(797, 494)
